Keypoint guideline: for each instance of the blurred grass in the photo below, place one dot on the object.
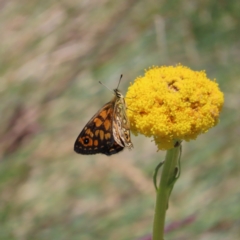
(52, 55)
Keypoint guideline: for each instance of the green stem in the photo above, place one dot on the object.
(165, 187)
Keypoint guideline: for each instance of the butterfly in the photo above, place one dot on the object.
(108, 131)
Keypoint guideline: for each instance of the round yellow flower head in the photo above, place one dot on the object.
(173, 103)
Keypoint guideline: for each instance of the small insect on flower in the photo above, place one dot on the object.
(108, 131)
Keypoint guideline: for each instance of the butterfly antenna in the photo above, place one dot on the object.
(117, 85)
(106, 86)
(119, 81)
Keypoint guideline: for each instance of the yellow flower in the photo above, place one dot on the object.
(173, 103)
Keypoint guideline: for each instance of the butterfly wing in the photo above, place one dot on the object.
(96, 136)
(121, 124)
(115, 148)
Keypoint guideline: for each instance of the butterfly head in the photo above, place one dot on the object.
(118, 93)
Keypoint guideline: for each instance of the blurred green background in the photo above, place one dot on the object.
(52, 55)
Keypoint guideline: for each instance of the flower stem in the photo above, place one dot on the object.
(167, 181)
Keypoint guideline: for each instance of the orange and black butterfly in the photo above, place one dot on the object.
(108, 131)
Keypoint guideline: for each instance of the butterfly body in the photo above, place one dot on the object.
(108, 131)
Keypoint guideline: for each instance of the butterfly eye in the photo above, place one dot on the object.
(85, 141)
